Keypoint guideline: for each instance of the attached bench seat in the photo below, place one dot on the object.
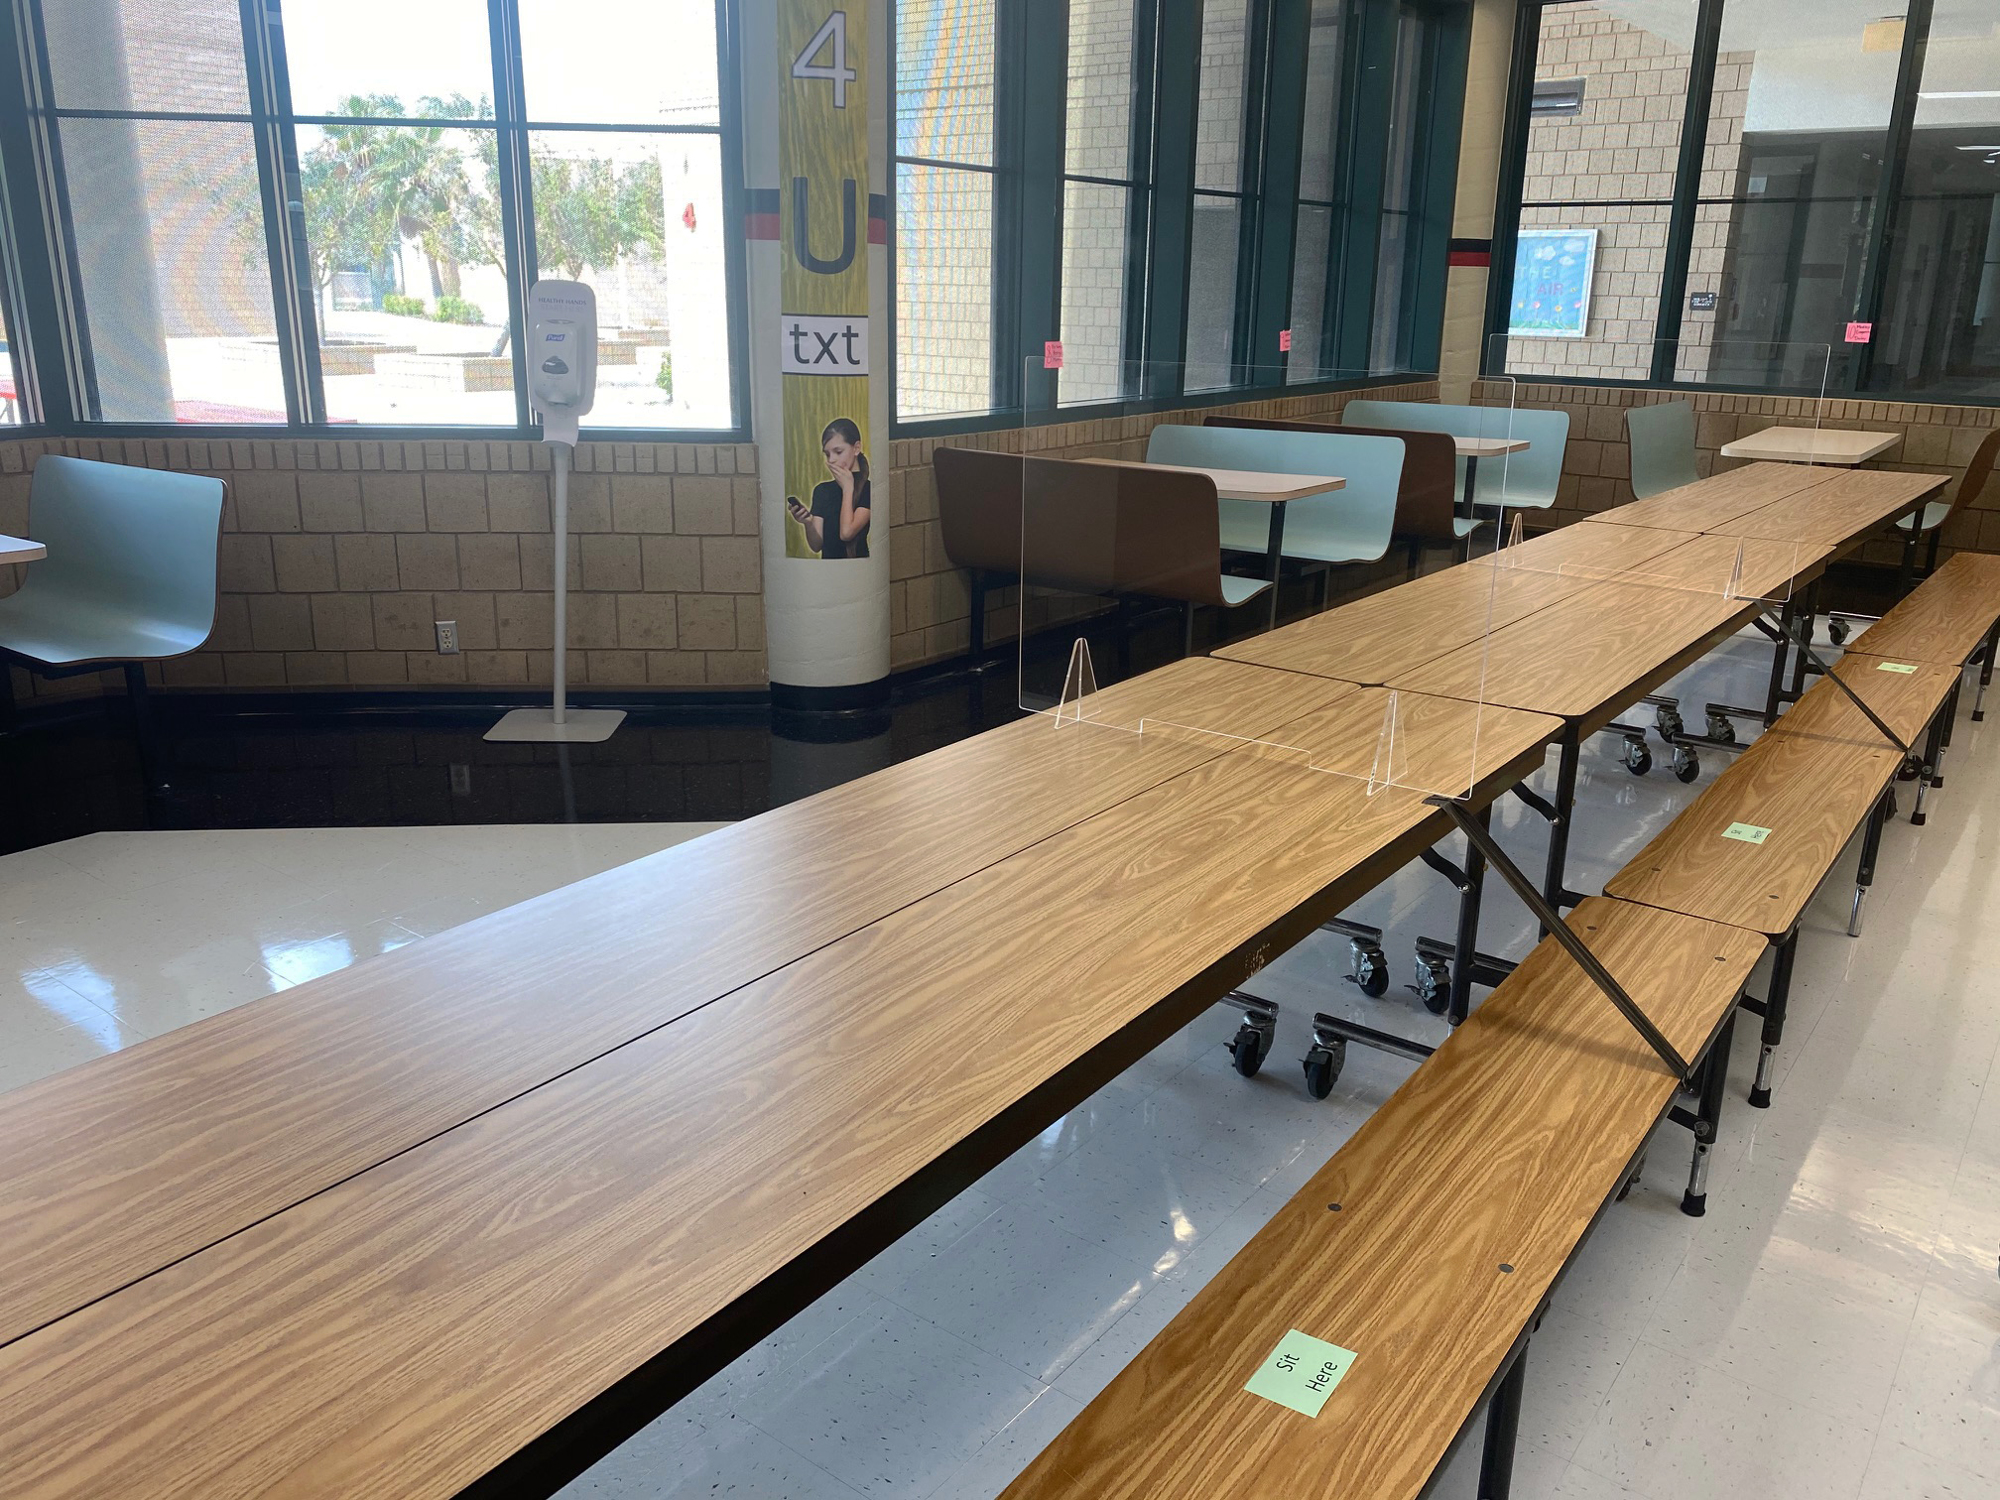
(1429, 1245)
(1752, 849)
(1118, 530)
(1951, 618)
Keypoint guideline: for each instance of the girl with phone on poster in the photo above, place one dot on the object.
(836, 523)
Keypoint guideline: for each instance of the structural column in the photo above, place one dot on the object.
(816, 95)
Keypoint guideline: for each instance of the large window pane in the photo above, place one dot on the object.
(1322, 104)
(945, 56)
(1614, 81)
(944, 291)
(169, 240)
(143, 55)
(1311, 245)
(621, 62)
(1098, 125)
(403, 235)
(1218, 144)
(1939, 331)
(1211, 333)
(1093, 291)
(392, 56)
(638, 215)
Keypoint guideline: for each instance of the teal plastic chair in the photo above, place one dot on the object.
(1351, 525)
(1526, 480)
(131, 573)
(1662, 442)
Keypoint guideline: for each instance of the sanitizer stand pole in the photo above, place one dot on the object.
(559, 458)
(558, 722)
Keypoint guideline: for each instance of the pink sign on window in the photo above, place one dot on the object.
(1052, 355)
(1284, 341)
(1860, 333)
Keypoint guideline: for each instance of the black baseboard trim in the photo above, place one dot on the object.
(848, 698)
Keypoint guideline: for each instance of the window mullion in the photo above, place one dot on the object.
(293, 309)
(517, 207)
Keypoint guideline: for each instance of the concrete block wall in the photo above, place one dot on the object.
(338, 557)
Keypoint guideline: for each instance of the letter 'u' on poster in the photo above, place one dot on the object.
(1301, 1372)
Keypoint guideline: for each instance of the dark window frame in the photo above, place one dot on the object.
(40, 273)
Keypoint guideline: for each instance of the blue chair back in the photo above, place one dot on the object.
(1662, 440)
(131, 566)
(1526, 479)
(1354, 524)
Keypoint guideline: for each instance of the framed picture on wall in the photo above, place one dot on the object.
(1552, 270)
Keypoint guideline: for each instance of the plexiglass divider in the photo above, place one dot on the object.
(1168, 522)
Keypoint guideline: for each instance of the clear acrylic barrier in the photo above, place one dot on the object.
(1164, 525)
(1735, 568)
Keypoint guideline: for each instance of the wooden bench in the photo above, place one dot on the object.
(1952, 617)
(139, 1158)
(1751, 850)
(512, 1296)
(1122, 530)
(1428, 1246)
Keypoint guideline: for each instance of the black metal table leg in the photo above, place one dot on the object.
(1944, 740)
(1780, 652)
(1933, 750)
(1503, 1427)
(1803, 625)
(1775, 999)
(1275, 555)
(1553, 889)
(1985, 674)
(1871, 845)
(1708, 1119)
(1465, 960)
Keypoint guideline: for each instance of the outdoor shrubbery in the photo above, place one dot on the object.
(458, 310)
(404, 307)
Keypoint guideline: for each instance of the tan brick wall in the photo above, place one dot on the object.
(1937, 439)
(930, 604)
(337, 557)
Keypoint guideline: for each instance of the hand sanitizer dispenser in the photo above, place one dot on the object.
(562, 383)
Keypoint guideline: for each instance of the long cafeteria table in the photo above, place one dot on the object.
(498, 1303)
(149, 1154)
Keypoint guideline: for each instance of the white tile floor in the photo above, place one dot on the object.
(1831, 1329)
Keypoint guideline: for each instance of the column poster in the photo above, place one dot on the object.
(823, 329)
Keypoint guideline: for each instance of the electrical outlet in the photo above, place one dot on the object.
(447, 632)
(461, 780)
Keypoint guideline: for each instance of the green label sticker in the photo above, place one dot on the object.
(1301, 1372)
(1895, 666)
(1748, 833)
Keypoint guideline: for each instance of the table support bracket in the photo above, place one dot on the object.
(1552, 922)
(1813, 663)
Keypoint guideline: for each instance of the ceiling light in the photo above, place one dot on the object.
(1961, 94)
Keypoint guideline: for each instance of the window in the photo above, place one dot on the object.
(1834, 184)
(946, 52)
(1106, 154)
(158, 165)
(1224, 212)
(1940, 333)
(433, 181)
(1312, 244)
(1165, 188)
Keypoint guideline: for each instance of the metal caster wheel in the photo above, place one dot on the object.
(1433, 984)
(1687, 765)
(1323, 1065)
(1371, 968)
(1667, 723)
(1721, 728)
(1249, 1047)
(1836, 631)
(1637, 758)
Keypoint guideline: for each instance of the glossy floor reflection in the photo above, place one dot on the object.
(1831, 1329)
